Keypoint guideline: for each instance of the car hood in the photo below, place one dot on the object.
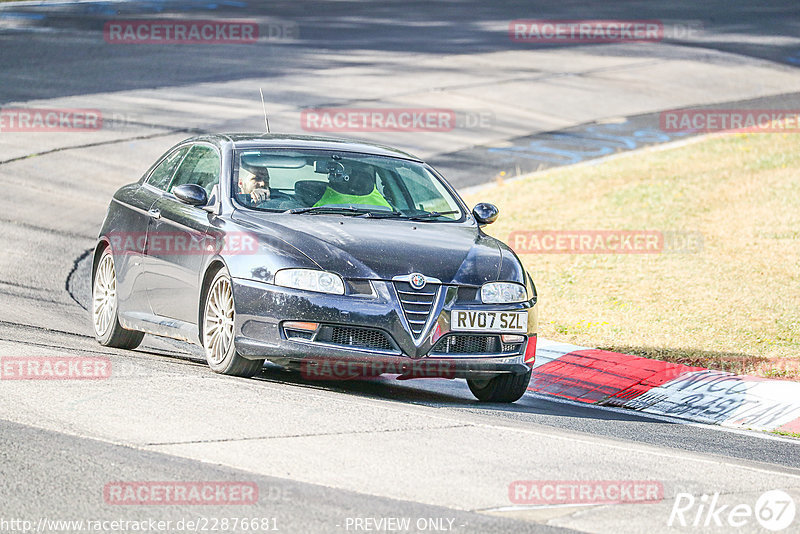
(381, 249)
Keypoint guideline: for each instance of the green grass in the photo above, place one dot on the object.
(735, 305)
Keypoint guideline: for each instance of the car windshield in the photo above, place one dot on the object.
(340, 183)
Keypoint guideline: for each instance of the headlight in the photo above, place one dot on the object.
(310, 280)
(503, 293)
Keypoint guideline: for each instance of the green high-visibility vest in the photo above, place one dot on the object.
(332, 196)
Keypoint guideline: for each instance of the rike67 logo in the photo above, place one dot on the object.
(774, 510)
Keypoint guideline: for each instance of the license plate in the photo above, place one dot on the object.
(490, 321)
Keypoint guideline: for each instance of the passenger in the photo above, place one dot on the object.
(359, 189)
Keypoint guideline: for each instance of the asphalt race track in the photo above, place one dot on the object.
(328, 455)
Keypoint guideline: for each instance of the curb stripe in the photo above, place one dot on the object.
(601, 377)
(791, 426)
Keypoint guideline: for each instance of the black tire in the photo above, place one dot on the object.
(227, 361)
(112, 335)
(502, 388)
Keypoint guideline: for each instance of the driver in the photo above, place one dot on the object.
(257, 185)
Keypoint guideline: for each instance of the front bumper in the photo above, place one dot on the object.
(261, 310)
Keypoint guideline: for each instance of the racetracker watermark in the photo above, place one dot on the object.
(585, 31)
(181, 493)
(50, 120)
(548, 492)
(774, 510)
(185, 524)
(182, 243)
(770, 368)
(335, 369)
(54, 368)
(605, 242)
(163, 31)
(739, 120)
(378, 120)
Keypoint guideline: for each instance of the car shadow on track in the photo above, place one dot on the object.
(432, 392)
(450, 392)
(446, 393)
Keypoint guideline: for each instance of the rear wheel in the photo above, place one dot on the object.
(105, 320)
(218, 322)
(501, 388)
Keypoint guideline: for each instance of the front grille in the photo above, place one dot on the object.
(473, 344)
(416, 304)
(350, 336)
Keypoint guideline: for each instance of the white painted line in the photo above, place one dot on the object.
(521, 507)
(50, 3)
(725, 398)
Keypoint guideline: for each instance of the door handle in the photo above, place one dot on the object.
(154, 213)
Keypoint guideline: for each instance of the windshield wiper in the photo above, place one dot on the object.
(368, 213)
(430, 215)
(400, 215)
(382, 214)
(343, 210)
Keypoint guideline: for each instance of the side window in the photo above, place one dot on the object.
(201, 166)
(162, 174)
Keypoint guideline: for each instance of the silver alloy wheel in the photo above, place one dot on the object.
(104, 296)
(218, 324)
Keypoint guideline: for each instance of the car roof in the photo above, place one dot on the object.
(263, 140)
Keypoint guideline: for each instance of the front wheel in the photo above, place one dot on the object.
(501, 388)
(218, 330)
(105, 319)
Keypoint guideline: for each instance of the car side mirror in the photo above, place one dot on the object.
(485, 213)
(191, 194)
